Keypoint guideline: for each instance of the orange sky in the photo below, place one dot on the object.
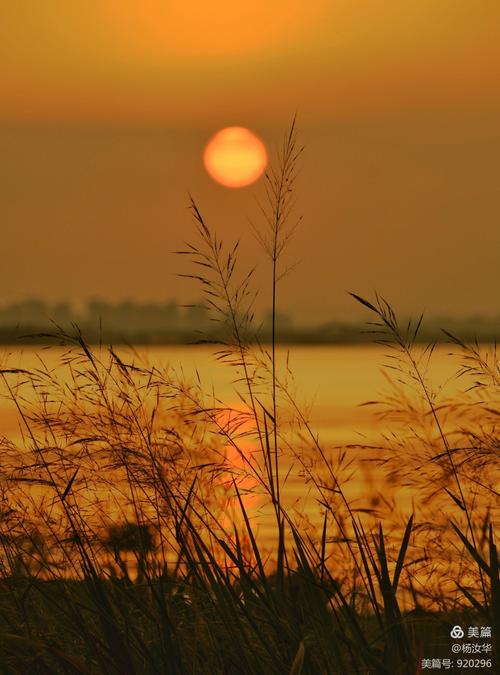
(123, 61)
(105, 108)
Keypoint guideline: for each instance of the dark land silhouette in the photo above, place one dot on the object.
(33, 321)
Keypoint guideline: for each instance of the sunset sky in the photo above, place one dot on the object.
(106, 107)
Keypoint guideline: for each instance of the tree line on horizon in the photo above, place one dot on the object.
(174, 323)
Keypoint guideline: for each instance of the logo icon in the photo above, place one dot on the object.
(457, 632)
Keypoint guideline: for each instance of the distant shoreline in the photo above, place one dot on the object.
(42, 338)
(171, 323)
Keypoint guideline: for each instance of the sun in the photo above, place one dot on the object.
(235, 157)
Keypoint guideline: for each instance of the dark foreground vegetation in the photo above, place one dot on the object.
(128, 539)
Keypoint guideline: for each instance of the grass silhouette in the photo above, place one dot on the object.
(127, 541)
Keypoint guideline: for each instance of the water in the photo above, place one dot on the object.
(331, 382)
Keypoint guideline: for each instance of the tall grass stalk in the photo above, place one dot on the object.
(129, 541)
